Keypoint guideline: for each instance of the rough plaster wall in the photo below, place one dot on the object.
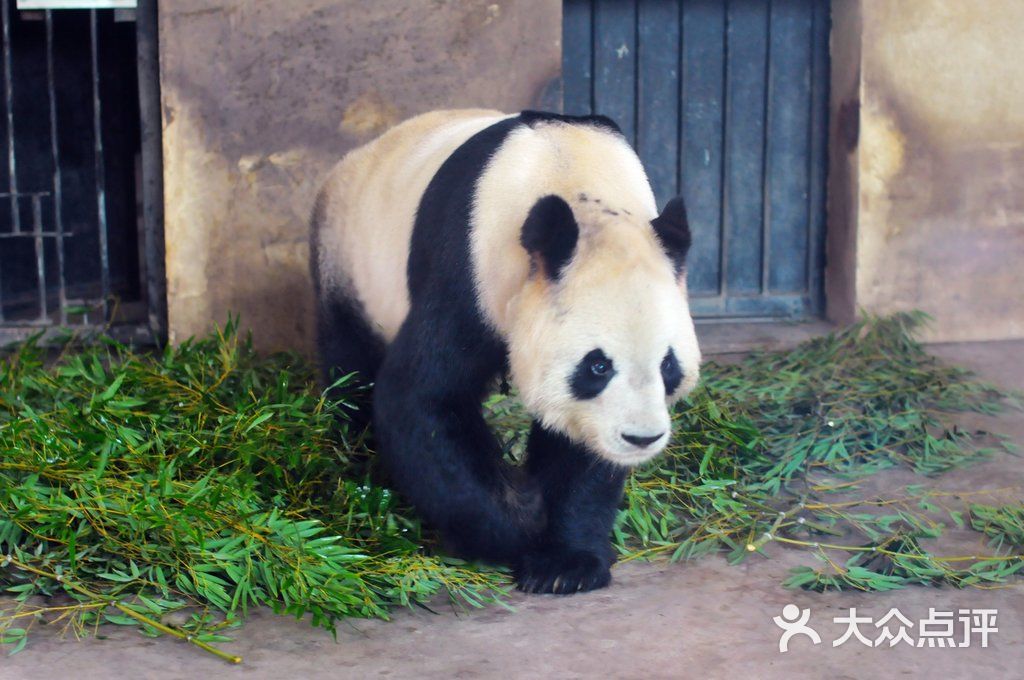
(941, 164)
(261, 98)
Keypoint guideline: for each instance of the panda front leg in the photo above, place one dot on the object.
(439, 452)
(581, 497)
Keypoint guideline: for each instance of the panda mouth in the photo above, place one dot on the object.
(642, 441)
(625, 452)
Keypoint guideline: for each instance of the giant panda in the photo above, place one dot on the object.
(464, 245)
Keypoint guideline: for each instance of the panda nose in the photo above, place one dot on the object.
(642, 442)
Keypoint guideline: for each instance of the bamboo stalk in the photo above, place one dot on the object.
(114, 602)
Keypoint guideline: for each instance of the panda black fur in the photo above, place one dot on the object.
(463, 244)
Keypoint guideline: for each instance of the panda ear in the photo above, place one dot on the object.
(673, 231)
(550, 234)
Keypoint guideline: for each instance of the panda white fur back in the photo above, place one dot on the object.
(371, 198)
(547, 224)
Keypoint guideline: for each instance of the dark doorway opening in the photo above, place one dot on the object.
(73, 227)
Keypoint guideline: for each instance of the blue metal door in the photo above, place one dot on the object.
(726, 102)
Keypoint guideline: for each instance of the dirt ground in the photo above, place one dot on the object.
(694, 619)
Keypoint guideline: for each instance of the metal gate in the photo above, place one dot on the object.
(726, 102)
(73, 176)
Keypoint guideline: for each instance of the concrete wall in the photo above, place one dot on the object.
(927, 184)
(261, 98)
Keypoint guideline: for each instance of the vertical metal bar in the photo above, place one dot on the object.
(577, 56)
(58, 219)
(7, 98)
(615, 64)
(818, 156)
(147, 44)
(9, 101)
(636, 73)
(657, 98)
(766, 150)
(101, 198)
(593, 57)
(680, 89)
(723, 227)
(701, 110)
(37, 231)
(747, 38)
(788, 129)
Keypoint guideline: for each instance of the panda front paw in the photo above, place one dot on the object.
(562, 572)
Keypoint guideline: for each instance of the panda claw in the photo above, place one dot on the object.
(562, 573)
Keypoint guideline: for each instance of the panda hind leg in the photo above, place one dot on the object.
(347, 344)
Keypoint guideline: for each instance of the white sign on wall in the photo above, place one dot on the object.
(77, 4)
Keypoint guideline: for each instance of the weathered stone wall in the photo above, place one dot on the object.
(932, 129)
(926, 187)
(261, 98)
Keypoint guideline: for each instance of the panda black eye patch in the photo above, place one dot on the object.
(591, 375)
(671, 372)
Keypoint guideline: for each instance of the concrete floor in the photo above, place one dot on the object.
(695, 619)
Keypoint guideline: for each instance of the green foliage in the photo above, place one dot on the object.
(772, 448)
(201, 481)
(1004, 525)
(761, 434)
(205, 477)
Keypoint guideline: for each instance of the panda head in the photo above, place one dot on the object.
(601, 342)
